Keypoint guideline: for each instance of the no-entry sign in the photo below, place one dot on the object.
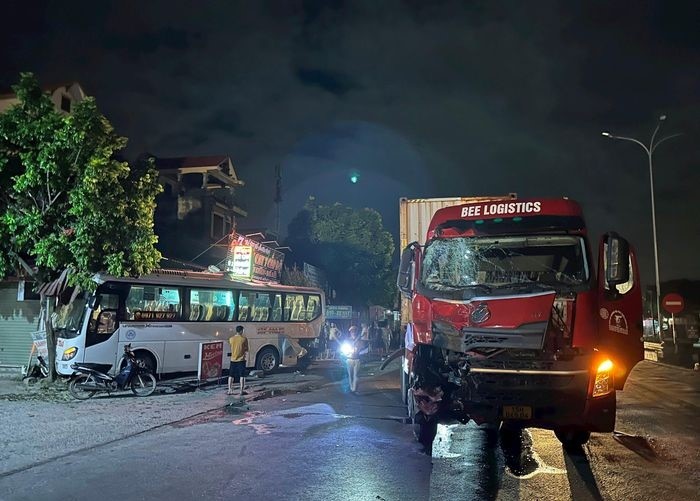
(673, 303)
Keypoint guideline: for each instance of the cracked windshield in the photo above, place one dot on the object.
(460, 263)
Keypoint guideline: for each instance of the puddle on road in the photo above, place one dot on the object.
(281, 392)
(515, 447)
(521, 460)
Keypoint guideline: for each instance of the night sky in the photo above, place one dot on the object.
(422, 99)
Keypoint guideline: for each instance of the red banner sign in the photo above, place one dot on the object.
(210, 360)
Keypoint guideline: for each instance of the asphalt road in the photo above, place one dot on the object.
(330, 445)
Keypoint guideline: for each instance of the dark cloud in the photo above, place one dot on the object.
(331, 81)
(137, 44)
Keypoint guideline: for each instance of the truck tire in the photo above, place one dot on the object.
(572, 439)
(424, 430)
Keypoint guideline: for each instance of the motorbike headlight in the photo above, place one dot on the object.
(69, 353)
(346, 349)
(603, 379)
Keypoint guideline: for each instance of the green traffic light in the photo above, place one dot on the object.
(354, 178)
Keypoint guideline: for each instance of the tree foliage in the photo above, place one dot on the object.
(352, 247)
(65, 200)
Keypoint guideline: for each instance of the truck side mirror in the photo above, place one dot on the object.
(407, 270)
(617, 254)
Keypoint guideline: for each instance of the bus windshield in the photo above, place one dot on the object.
(67, 319)
(492, 262)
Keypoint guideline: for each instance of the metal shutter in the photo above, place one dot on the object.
(17, 320)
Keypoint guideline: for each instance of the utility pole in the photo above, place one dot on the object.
(278, 197)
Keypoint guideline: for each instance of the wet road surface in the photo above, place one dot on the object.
(331, 445)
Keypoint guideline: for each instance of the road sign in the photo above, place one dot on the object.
(336, 312)
(673, 303)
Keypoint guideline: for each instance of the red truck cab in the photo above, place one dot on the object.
(511, 323)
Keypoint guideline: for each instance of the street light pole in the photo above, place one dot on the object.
(650, 153)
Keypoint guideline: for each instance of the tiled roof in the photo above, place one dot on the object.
(181, 162)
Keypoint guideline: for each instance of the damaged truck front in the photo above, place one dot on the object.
(509, 322)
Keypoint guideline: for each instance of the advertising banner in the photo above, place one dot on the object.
(240, 262)
(210, 361)
(39, 338)
(266, 261)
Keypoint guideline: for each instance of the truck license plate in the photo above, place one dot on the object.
(517, 412)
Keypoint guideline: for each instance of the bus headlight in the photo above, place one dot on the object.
(603, 379)
(69, 353)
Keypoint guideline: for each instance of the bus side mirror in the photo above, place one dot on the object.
(407, 270)
(617, 254)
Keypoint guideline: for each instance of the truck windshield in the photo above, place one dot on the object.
(493, 262)
(67, 319)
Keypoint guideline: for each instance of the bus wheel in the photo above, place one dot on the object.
(146, 360)
(268, 360)
(572, 439)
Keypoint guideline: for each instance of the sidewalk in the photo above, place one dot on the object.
(47, 423)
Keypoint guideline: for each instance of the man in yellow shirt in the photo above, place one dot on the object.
(239, 350)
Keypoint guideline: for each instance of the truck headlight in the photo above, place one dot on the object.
(603, 379)
(69, 353)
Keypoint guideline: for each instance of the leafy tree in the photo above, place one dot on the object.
(66, 202)
(352, 247)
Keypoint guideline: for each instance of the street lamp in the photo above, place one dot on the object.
(650, 152)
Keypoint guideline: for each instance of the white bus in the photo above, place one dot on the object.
(165, 316)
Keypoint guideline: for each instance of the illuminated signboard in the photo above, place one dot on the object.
(240, 262)
(266, 263)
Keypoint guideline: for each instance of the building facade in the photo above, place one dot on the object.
(198, 208)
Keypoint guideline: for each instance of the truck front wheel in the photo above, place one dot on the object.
(572, 439)
(424, 430)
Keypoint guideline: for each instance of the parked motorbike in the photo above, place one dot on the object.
(135, 376)
(37, 371)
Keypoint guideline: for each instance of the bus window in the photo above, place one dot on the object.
(277, 309)
(147, 302)
(313, 308)
(246, 302)
(294, 308)
(261, 310)
(211, 305)
(104, 316)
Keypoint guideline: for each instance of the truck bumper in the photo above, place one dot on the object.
(547, 401)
